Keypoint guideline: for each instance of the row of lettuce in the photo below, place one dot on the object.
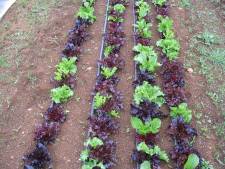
(148, 97)
(64, 83)
(172, 74)
(100, 148)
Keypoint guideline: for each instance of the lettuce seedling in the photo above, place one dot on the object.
(170, 47)
(99, 100)
(145, 165)
(119, 8)
(61, 94)
(183, 111)
(143, 28)
(165, 23)
(108, 50)
(65, 67)
(151, 126)
(87, 13)
(94, 142)
(159, 2)
(148, 92)
(147, 59)
(155, 150)
(143, 9)
(108, 72)
(192, 162)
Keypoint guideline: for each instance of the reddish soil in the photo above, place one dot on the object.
(28, 102)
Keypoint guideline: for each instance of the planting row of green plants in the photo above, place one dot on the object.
(147, 97)
(64, 80)
(172, 71)
(100, 148)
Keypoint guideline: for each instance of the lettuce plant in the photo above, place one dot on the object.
(144, 50)
(192, 162)
(120, 8)
(99, 100)
(88, 2)
(159, 2)
(94, 142)
(92, 163)
(165, 23)
(115, 19)
(143, 28)
(65, 67)
(145, 165)
(114, 114)
(150, 126)
(108, 72)
(155, 150)
(183, 111)
(148, 92)
(108, 50)
(148, 60)
(61, 94)
(87, 13)
(38, 158)
(170, 47)
(143, 9)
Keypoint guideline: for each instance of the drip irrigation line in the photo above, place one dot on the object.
(101, 53)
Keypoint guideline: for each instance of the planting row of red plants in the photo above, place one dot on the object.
(148, 97)
(64, 83)
(172, 73)
(100, 148)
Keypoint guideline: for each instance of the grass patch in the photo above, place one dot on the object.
(3, 62)
(185, 3)
(39, 12)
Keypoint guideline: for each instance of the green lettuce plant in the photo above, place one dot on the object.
(108, 50)
(192, 162)
(183, 111)
(143, 9)
(99, 100)
(108, 72)
(148, 92)
(155, 150)
(65, 67)
(165, 23)
(93, 163)
(120, 8)
(115, 19)
(143, 28)
(159, 2)
(94, 142)
(170, 47)
(145, 165)
(147, 59)
(61, 94)
(151, 126)
(87, 13)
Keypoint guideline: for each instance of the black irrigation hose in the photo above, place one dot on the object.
(135, 63)
(107, 137)
(101, 53)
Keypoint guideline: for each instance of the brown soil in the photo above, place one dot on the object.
(125, 138)
(29, 101)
